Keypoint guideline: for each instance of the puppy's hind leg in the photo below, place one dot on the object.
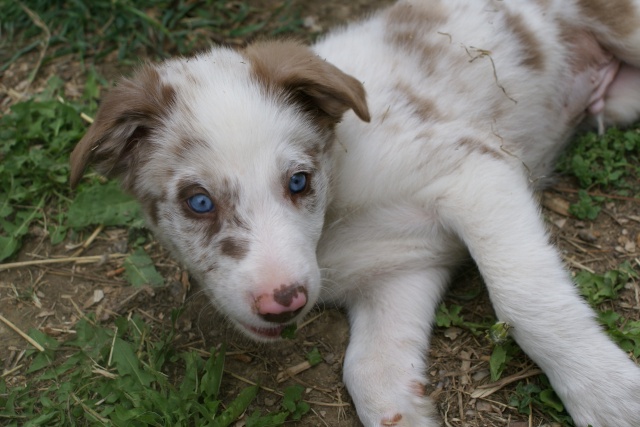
(622, 100)
(616, 26)
(493, 211)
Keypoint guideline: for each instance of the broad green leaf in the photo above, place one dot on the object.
(17, 229)
(270, 420)
(103, 204)
(292, 402)
(236, 408)
(140, 270)
(128, 363)
(289, 331)
(8, 246)
(549, 398)
(314, 357)
(213, 370)
(497, 362)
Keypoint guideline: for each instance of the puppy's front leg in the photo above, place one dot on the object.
(384, 366)
(493, 211)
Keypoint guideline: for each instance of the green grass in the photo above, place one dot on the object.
(609, 164)
(36, 137)
(131, 29)
(117, 376)
(598, 289)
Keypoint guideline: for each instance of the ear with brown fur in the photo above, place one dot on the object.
(315, 83)
(126, 116)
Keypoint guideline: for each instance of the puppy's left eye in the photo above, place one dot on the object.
(298, 182)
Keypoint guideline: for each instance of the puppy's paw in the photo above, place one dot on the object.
(411, 417)
(399, 404)
(614, 401)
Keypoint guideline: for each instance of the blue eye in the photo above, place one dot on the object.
(298, 182)
(200, 203)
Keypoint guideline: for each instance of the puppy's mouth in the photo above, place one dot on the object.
(265, 334)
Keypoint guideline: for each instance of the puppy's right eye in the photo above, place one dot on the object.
(200, 203)
(298, 183)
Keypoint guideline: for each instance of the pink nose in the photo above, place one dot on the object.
(283, 304)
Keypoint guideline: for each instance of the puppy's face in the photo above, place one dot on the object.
(228, 154)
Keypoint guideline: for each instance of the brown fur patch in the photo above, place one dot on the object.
(476, 145)
(239, 222)
(116, 139)
(417, 16)
(186, 144)
(418, 388)
(234, 247)
(544, 4)
(427, 52)
(291, 69)
(584, 49)
(388, 422)
(532, 55)
(406, 26)
(424, 108)
(228, 197)
(619, 16)
(150, 206)
(314, 153)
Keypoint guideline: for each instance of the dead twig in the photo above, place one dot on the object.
(86, 118)
(270, 390)
(38, 22)
(308, 322)
(292, 371)
(78, 260)
(22, 334)
(483, 53)
(597, 194)
(11, 371)
(488, 389)
(88, 242)
(579, 265)
(115, 272)
(448, 35)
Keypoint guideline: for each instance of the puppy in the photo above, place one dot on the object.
(271, 177)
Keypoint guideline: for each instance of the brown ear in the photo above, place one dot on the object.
(126, 116)
(318, 85)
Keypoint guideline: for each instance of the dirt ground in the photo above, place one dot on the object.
(54, 297)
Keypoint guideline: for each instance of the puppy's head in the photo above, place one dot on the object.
(228, 154)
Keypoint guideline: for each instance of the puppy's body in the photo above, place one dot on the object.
(470, 103)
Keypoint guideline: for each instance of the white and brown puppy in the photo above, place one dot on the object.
(259, 171)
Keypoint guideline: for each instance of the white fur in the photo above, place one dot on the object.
(471, 102)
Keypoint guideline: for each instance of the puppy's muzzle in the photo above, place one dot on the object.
(283, 304)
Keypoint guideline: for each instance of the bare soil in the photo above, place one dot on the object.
(54, 297)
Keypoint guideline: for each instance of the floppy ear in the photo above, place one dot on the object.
(126, 116)
(317, 85)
